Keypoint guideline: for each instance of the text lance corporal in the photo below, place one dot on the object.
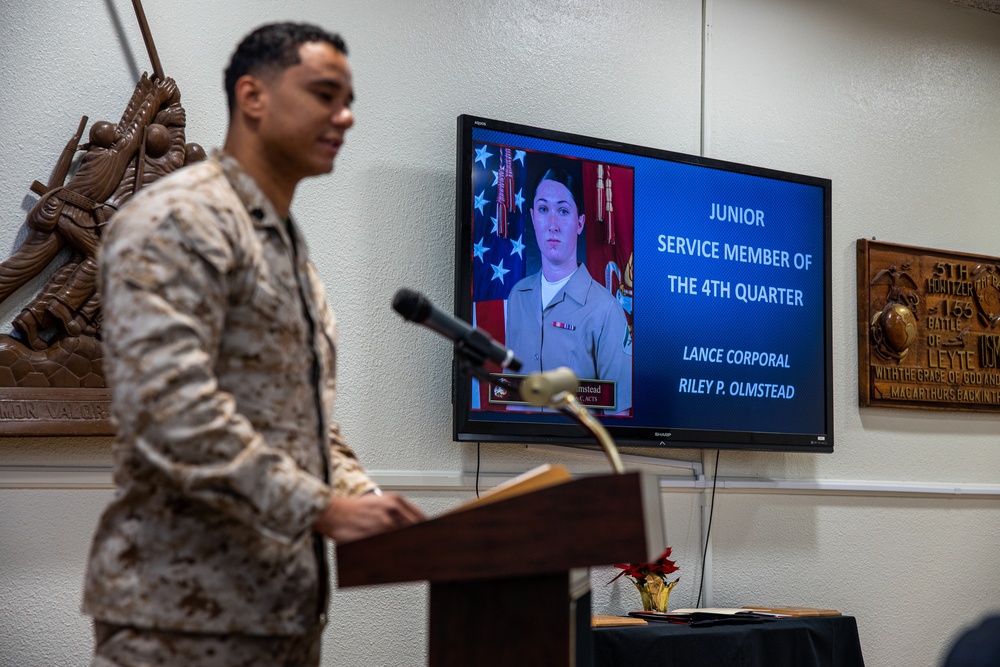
(717, 355)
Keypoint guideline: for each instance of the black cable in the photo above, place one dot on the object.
(708, 533)
(478, 446)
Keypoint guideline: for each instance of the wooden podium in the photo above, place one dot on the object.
(501, 574)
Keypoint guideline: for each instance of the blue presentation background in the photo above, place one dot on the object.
(673, 198)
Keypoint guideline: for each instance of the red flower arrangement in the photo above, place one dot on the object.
(651, 580)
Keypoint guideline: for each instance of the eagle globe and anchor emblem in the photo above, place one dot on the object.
(500, 392)
(894, 327)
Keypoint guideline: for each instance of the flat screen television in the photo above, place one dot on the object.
(691, 296)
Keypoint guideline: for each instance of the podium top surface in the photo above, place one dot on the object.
(588, 521)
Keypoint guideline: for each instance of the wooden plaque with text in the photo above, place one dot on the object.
(55, 411)
(928, 328)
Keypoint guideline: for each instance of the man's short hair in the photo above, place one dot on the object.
(273, 46)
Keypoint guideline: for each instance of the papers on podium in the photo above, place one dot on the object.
(535, 479)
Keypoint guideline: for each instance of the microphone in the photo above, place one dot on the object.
(541, 389)
(557, 389)
(469, 340)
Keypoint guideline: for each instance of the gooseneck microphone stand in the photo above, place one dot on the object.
(557, 390)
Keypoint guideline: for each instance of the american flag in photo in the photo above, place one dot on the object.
(499, 214)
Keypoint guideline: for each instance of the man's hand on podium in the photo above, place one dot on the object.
(348, 519)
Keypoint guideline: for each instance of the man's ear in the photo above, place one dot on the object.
(250, 96)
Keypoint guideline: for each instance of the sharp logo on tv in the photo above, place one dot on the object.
(695, 292)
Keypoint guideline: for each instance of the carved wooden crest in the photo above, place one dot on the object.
(986, 290)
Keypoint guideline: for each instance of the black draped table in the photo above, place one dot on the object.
(827, 641)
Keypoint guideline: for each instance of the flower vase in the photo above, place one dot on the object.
(655, 592)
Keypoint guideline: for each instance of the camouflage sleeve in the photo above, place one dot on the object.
(164, 310)
(348, 477)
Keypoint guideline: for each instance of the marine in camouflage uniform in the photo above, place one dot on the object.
(221, 457)
(220, 354)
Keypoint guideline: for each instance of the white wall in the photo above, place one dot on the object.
(895, 100)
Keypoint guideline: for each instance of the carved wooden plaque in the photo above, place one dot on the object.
(928, 328)
(51, 363)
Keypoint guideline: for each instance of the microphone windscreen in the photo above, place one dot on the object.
(413, 306)
(538, 389)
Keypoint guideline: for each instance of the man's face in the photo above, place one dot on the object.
(557, 223)
(307, 112)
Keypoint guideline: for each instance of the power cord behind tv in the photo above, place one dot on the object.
(478, 446)
(708, 532)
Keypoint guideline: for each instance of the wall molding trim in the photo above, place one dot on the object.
(98, 477)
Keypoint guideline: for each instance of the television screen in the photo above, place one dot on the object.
(691, 296)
